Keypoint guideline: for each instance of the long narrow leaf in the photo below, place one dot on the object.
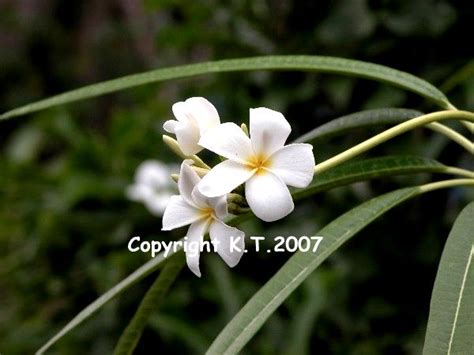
(451, 321)
(145, 270)
(299, 62)
(300, 329)
(257, 310)
(150, 302)
(362, 119)
(369, 169)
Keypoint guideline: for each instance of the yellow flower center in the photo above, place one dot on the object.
(259, 162)
(207, 212)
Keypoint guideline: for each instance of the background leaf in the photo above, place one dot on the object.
(451, 321)
(150, 302)
(300, 329)
(362, 119)
(298, 62)
(257, 310)
(369, 169)
(92, 308)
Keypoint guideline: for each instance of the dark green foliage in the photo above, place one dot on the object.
(64, 218)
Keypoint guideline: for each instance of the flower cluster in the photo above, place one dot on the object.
(258, 159)
(152, 186)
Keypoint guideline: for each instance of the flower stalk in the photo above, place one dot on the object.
(174, 146)
(446, 183)
(391, 133)
(453, 135)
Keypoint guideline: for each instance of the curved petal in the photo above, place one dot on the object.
(268, 197)
(178, 214)
(195, 237)
(199, 199)
(294, 164)
(187, 180)
(170, 126)
(223, 178)
(228, 140)
(218, 204)
(180, 111)
(187, 135)
(203, 112)
(268, 130)
(228, 242)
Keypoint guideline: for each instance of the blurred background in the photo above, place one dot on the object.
(65, 220)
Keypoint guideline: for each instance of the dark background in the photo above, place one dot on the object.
(64, 218)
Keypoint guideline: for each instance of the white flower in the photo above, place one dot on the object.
(262, 161)
(203, 214)
(194, 116)
(153, 186)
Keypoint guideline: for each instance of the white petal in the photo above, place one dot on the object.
(157, 204)
(153, 173)
(170, 126)
(228, 140)
(178, 213)
(139, 192)
(195, 237)
(187, 135)
(180, 111)
(223, 178)
(268, 196)
(222, 234)
(268, 130)
(203, 112)
(199, 199)
(218, 204)
(187, 180)
(195, 116)
(294, 164)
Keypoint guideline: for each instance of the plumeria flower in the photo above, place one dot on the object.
(203, 214)
(194, 117)
(153, 186)
(262, 162)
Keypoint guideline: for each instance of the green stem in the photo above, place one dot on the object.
(458, 171)
(391, 133)
(174, 146)
(453, 135)
(152, 300)
(445, 183)
(468, 125)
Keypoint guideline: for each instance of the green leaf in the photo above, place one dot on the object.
(139, 274)
(230, 301)
(150, 302)
(369, 169)
(362, 119)
(184, 332)
(257, 310)
(143, 271)
(451, 320)
(300, 329)
(298, 62)
(261, 306)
